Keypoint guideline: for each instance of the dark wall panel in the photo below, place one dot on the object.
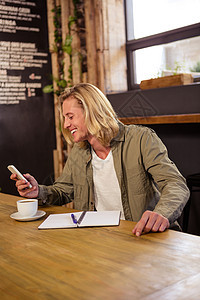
(27, 133)
(165, 101)
(183, 144)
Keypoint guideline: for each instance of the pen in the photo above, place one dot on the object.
(81, 217)
(74, 219)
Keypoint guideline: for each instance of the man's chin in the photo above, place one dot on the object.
(76, 140)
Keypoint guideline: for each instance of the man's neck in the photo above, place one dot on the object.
(100, 150)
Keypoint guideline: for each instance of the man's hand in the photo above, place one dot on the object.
(23, 188)
(150, 221)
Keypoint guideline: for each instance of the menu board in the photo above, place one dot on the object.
(27, 132)
(23, 50)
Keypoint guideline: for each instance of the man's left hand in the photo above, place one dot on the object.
(150, 221)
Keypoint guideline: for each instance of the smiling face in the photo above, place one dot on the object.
(74, 120)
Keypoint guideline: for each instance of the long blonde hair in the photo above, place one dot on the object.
(100, 117)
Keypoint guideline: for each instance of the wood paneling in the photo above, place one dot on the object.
(167, 119)
(58, 156)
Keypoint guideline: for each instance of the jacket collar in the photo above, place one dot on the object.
(121, 134)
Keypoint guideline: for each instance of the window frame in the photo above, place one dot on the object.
(152, 40)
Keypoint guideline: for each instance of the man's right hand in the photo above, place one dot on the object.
(23, 188)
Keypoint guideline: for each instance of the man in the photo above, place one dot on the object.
(112, 166)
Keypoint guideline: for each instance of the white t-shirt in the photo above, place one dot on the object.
(107, 191)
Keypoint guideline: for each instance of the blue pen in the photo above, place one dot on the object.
(74, 219)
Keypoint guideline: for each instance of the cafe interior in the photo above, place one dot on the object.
(144, 55)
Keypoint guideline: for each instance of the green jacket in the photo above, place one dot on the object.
(147, 177)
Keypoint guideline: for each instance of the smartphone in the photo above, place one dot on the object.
(14, 170)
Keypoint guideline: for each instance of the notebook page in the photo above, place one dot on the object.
(59, 221)
(100, 218)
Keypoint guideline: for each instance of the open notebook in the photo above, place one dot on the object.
(81, 219)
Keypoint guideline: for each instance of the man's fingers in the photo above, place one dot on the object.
(164, 225)
(154, 222)
(161, 224)
(13, 177)
(21, 184)
(138, 229)
(151, 221)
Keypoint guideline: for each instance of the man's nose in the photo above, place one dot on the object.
(66, 123)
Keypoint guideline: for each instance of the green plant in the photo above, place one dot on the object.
(178, 67)
(60, 48)
(196, 68)
(57, 47)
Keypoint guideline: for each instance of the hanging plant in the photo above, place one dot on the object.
(60, 48)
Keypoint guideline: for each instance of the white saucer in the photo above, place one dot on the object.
(18, 217)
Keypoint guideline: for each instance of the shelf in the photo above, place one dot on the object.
(164, 119)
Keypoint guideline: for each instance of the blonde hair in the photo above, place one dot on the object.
(100, 117)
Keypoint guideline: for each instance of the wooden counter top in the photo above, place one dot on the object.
(94, 263)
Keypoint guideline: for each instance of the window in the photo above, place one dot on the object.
(163, 38)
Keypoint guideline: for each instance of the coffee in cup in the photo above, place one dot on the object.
(27, 207)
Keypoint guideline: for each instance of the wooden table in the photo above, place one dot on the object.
(94, 263)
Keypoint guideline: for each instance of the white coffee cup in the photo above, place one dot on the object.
(27, 207)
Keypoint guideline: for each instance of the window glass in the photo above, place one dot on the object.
(178, 57)
(156, 16)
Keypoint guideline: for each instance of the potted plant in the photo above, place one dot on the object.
(168, 78)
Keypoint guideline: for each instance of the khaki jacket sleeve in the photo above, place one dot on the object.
(61, 192)
(167, 178)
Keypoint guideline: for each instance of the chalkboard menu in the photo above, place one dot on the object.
(27, 133)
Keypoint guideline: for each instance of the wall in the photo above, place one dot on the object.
(27, 131)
